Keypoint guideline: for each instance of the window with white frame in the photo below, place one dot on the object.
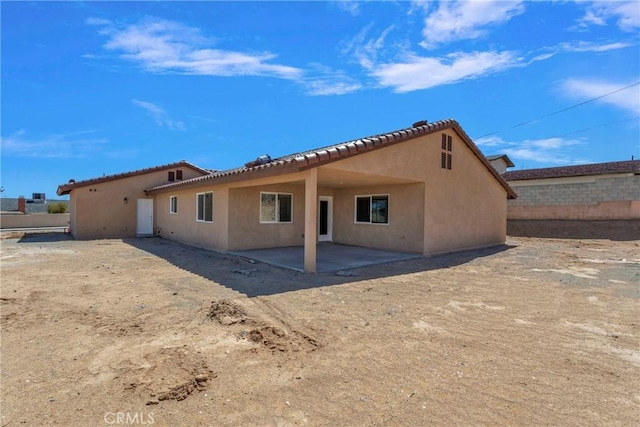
(372, 209)
(204, 207)
(276, 207)
(173, 204)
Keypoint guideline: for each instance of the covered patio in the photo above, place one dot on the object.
(330, 257)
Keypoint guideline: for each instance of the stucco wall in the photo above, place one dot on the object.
(245, 229)
(34, 220)
(463, 207)
(99, 210)
(402, 233)
(593, 198)
(183, 227)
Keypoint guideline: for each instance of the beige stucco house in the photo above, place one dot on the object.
(424, 189)
(117, 205)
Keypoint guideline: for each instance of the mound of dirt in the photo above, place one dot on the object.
(227, 313)
(277, 339)
(167, 374)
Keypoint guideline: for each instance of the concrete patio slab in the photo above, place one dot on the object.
(330, 256)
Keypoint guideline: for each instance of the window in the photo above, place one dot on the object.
(372, 209)
(172, 176)
(173, 204)
(179, 174)
(276, 207)
(447, 146)
(204, 207)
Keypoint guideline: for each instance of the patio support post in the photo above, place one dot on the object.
(310, 220)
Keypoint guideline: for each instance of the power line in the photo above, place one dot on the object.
(563, 110)
(594, 127)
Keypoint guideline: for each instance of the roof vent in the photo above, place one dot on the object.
(420, 123)
(72, 181)
(261, 160)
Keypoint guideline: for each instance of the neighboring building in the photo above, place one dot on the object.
(10, 204)
(500, 162)
(600, 191)
(425, 189)
(116, 205)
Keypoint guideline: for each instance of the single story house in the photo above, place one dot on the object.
(117, 205)
(424, 189)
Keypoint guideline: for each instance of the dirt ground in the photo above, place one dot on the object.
(146, 331)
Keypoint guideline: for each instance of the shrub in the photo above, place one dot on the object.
(57, 207)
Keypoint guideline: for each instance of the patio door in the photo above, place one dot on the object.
(145, 217)
(325, 219)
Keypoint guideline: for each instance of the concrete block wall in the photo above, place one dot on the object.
(597, 198)
(34, 220)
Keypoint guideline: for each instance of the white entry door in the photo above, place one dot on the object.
(325, 219)
(145, 217)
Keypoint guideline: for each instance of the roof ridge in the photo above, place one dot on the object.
(72, 183)
(310, 156)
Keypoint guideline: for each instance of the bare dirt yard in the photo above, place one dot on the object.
(147, 331)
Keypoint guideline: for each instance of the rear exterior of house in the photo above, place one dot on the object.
(425, 189)
(117, 205)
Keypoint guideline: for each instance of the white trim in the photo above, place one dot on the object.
(171, 199)
(355, 209)
(329, 236)
(277, 213)
(203, 220)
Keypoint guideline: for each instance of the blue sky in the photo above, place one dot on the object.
(93, 88)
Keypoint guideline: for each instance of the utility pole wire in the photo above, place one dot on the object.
(563, 110)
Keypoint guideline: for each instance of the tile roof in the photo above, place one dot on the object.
(323, 155)
(66, 188)
(629, 166)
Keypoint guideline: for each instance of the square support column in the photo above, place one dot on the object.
(310, 220)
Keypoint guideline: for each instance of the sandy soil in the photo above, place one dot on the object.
(146, 331)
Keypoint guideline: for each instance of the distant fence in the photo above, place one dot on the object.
(34, 220)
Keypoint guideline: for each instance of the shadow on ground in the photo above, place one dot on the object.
(45, 237)
(259, 279)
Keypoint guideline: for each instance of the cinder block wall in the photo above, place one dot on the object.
(595, 198)
(34, 220)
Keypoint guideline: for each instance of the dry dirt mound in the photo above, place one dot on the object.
(275, 338)
(227, 313)
(167, 374)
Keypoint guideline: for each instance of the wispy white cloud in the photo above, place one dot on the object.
(69, 145)
(365, 51)
(163, 46)
(582, 46)
(159, 115)
(626, 14)
(628, 99)
(416, 72)
(450, 21)
(323, 80)
(549, 150)
(350, 6)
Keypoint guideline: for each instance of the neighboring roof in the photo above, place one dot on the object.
(72, 184)
(10, 204)
(504, 157)
(321, 156)
(629, 166)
